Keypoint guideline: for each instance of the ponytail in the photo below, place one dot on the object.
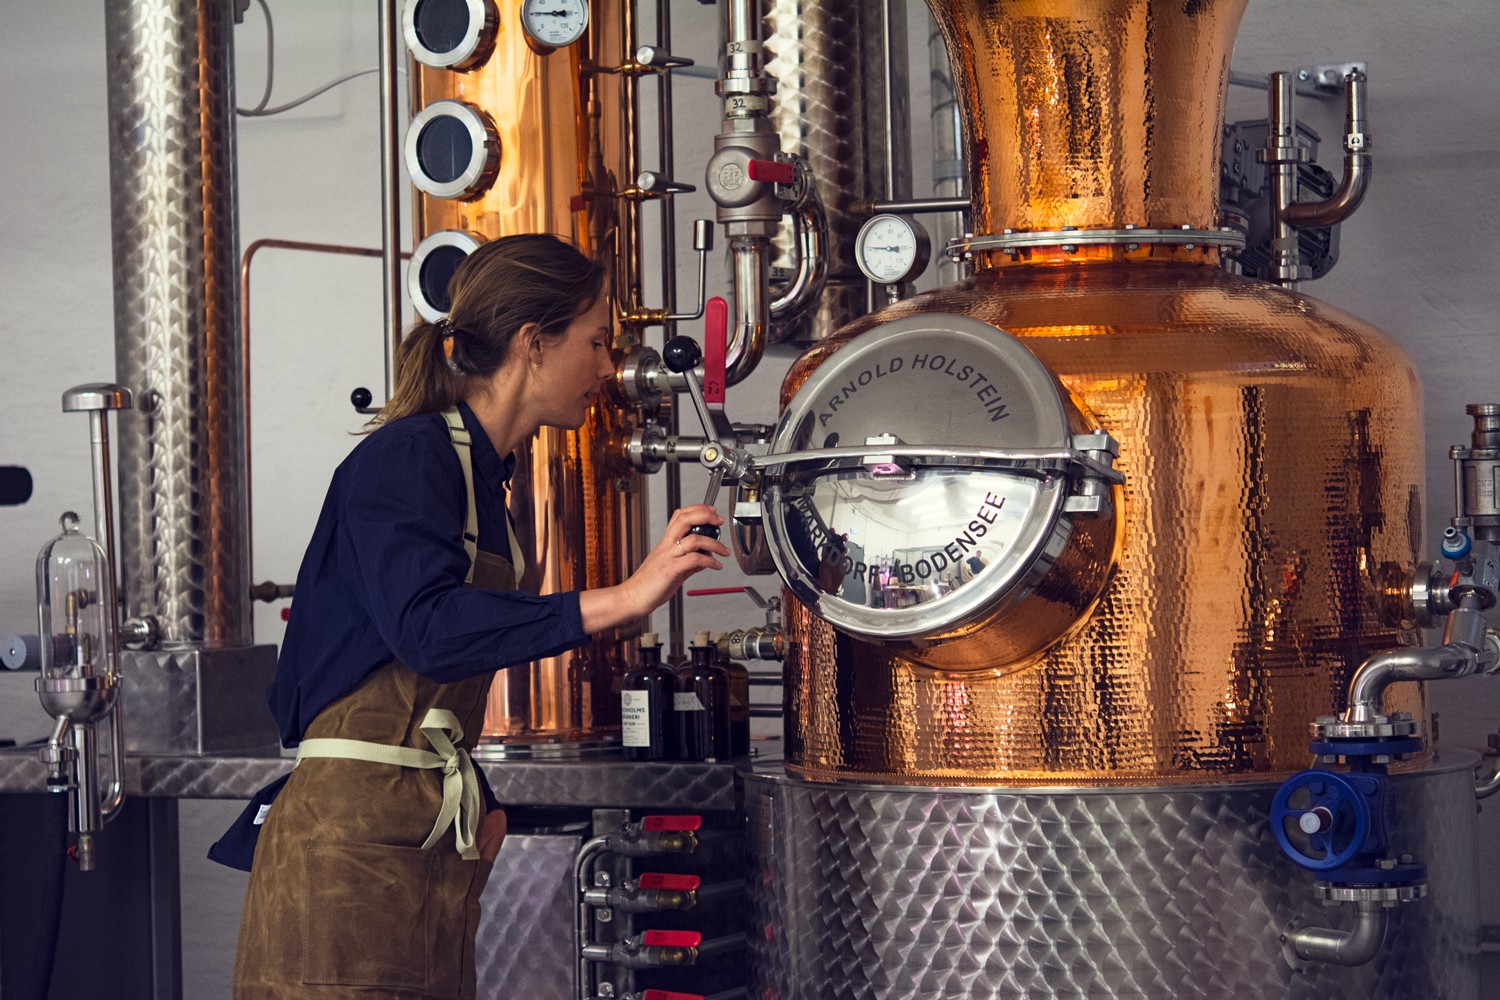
(499, 288)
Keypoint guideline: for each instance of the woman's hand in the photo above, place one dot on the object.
(491, 834)
(676, 557)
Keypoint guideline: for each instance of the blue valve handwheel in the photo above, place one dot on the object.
(1340, 810)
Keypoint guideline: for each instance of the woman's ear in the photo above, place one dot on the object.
(529, 339)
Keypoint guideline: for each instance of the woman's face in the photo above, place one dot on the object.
(574, 366)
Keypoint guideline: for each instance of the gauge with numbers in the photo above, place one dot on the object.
(892, 249)
(554, 24)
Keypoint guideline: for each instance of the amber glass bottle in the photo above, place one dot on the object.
(703, 704)
(648, 729)
(739, 703)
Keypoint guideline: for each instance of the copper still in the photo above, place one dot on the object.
(1270, 443)
(546, 142)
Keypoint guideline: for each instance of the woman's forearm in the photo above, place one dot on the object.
(606, 608)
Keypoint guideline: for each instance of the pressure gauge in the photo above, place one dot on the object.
(553, 24)
(892, 249)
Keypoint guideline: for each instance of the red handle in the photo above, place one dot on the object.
(774, 171)
(672, 824)
(711, 591)
(672, 939)
(715, 337)
(670, 995)
(661, 880)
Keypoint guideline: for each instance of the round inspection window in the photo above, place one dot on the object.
(452, 150)
(450, 34)
(431, 269)
(881, 533)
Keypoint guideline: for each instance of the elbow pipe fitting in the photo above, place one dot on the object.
(1342, 203)
(1355, 946)
(810, 225)
(1357, 166)
(752, 307)
(1414, 664)
(1485, 787)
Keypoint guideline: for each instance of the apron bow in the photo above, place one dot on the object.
(461, 800)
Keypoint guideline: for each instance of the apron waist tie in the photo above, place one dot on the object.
(461, 799)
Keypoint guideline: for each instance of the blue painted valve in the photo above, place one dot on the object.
(1323, 819)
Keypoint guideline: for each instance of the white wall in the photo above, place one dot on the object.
(1419, 259)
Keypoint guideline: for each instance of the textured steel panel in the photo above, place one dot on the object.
(826, 58)
(589, 784)
(861, 891)
(525, 942)
(615, 783)
(183, 509)
(198, 700)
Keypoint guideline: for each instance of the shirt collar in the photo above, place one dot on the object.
(493, 470)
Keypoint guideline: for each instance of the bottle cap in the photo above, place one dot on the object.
(702, 639)
(649, 639)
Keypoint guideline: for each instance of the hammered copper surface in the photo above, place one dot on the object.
(1272, 452)
(1090, 113)
(184, 529)
(567, 145)
(1270, 443)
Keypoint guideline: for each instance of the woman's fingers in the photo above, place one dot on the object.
(691, 516)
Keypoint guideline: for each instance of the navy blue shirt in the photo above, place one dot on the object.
(383, 577)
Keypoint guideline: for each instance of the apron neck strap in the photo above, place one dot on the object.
(463, 445)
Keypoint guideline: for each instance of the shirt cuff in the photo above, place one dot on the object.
(572, 614)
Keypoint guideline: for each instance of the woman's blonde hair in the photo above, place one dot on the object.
(499, 288)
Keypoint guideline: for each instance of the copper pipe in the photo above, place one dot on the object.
(245, 259)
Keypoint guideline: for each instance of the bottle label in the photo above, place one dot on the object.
(687, 701)
(635, 718)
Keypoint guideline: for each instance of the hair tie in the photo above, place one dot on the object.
(446, 331)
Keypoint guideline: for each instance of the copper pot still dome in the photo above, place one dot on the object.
(1270, 443)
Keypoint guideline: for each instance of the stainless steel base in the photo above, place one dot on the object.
(882, 892)
(524, 947)
(198, 701)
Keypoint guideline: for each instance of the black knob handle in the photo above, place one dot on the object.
(682, 354)
(361, 398)
(706, 530)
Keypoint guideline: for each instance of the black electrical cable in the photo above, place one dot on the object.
(49, 915)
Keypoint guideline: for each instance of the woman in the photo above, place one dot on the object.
(369, 861)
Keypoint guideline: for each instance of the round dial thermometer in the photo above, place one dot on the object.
(554, 24)
(892, 249)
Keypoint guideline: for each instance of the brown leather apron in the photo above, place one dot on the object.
(355, 891)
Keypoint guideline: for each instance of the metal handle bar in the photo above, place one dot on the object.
(1040, 462)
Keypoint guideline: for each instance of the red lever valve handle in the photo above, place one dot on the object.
(774, 171)
(715, 347)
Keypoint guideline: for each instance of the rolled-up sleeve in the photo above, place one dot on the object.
(402, 544)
